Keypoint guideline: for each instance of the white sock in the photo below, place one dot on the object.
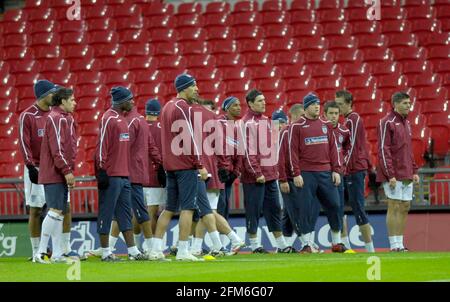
(224, 240)
(370, 248)
(112, 241)
(336, 237)
(190, 241)
(400, 242)
(281, 242)
(35, 244)
(254, 243)
(305, 239)
(234, 238)
(157, 244)
(312, 237)
(46, 231)
(137, 240)
(302, 240)
(346, 242)
(393, 242)
(197, 245)
(147, 244)
(183, 247)
(57, 240)
(217, 245)
(105, 252)
(133, 250)
(66, 242)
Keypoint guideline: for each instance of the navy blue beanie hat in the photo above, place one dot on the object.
(228, 102)
(152, 107)
(183, 81)
(120, 95)
(42, 88)
(310, 99)
(279, 115)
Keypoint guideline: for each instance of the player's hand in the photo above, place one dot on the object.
(261, 179)
(102, 180)
(392, 183)
(33, 174)
(416, 178)
(231, 178)
(298, 181)
(70, 180)
(203, 173)
(284, 187)
(336, 178)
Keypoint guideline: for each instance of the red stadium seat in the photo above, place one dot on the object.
(40, 14)
(98, 12)
(25, 66)
(189, 8)
(354, 69)
(288, 58)
(109, 51)
(266, 72)
(417, 3)
(217, 20)
(277, 32)
(431, 94)
(443, 67)
(155, 8)
(418, 67)
(275, 18)
(48, 52)
(255, 46)
(246, 18)
(44, 39)
(163, 35)
(438, 54)
(194, 20)
(274, 5)
(300, 72)
(364, 28)
(152, 89)
(330, 83)
(206, 74)
(143, 63)
(307, 30)
(201, 60)
(319, 43)
(276, 85)
(258, 59)
(106, 24)
(217, 7)
(330, 4)
(318, 57)
(166, 49)
(361, 82)
(18, 53)
(303, 17)
(91, 90)
(436, 39)
(191, 34)
(438, 124)
(337, 30)
(147, 76)
(220, 33)
(53, 66)
(133, 36)
(210, 86)
(245, 6)
(237, 74)
(377, 55)
(74, 38)
(224, 47)
(127, 23)
(435, 107)
(326, 70)
(423, 28)
(390, 84)
(295, 85)
(386, 68)
(424, 12)
(424, 80)
(172, 62)
(103, 38)
(229, 60)
(127, 10)
(13, 40)
(163, 21)
(239, 86)
(332, 16)
(118, 78)
(87, 64)
(9, 131)
(107, 64)
(15, 15)
(378, 41)
(44, 27)
(11, 28)
(248, 33)
(283, 45)
(195, 48)
(138, 50)
(78, 52)
(347, 56)
(301, 5)
(342, 43)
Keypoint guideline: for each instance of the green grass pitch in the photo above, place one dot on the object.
(412, 266)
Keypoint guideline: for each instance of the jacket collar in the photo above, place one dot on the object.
(59, 110)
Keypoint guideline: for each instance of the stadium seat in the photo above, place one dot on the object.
(245, 6)
(337, 30)
(318, 57)
(191, 35)
(355, 69)
(106, 24)
(249, 33)
(118, 78)
(15, 15)
(436, 39)
(288, 58)
(217, 7)
(18, 53)
(12, 28)
(438, 54)
(361, 82)
(152, 89)
(266, 72)
(307, 30)
(332, 16)
(443, 67)
(239, 86)
(303, 17)
(330, 84)
(135, 50)
(40, 14)
(348, 56)
(246, 19)
(330, 4)
(66, 26)
(163, 21)
(386, 68)
(418, 67)
(258, 59)
(296, 85)
(9, 131)
(237, 73)
(74, 38)
(424, 80)
(194, 20)
(200, 60)
(78, 52)
(127, 10)
(391, 83)
(416, 3)
(99, 39)
(163, 35)
(48, 52)
(44, 39)
(229, 60)
(319, 43)
(126, 23)
(44, 27)
(378, 55)
(283, 45)
(422, 12)
(275, 18)
(133, 36)
(14, 40)
(172, 62)
(326, 70)
(271, 85)
(195, 48)
(206, 74)
(364, 28)
(254, 47)
(438, 123)
(218, 20)
(156, 8)
(277, 32)
(378, 41)
(27, 80)
(220, 33)
(411, 54)
(342, 43)
(302, 5)
(25, 66)
(423, 28)
(166, 49)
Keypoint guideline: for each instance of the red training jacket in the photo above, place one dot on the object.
(358, 157)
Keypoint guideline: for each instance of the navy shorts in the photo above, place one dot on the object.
(289, 221)
(182, 190)
(138, 203)
(56, 196)
(318, 186)
(115, 201)
(355, 185)
(262, 198)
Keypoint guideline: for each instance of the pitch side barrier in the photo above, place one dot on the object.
(432, 193)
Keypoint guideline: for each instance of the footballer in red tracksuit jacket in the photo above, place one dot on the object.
(313, 155)
(155, 133)
(141, 149)
(358, 155)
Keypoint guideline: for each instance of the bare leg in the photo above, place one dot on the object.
(366, 232)
(153, 212)
(163, 222)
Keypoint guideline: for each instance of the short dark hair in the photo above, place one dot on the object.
(330, 104)
(251, 95)
(399, 96)
(296, 108)
(61, 94)
(347, 96)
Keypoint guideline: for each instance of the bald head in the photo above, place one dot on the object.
(296, 112)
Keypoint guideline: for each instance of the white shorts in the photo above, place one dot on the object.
(402, 191)
(213, 198)
(155, 196)
(34, 194)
